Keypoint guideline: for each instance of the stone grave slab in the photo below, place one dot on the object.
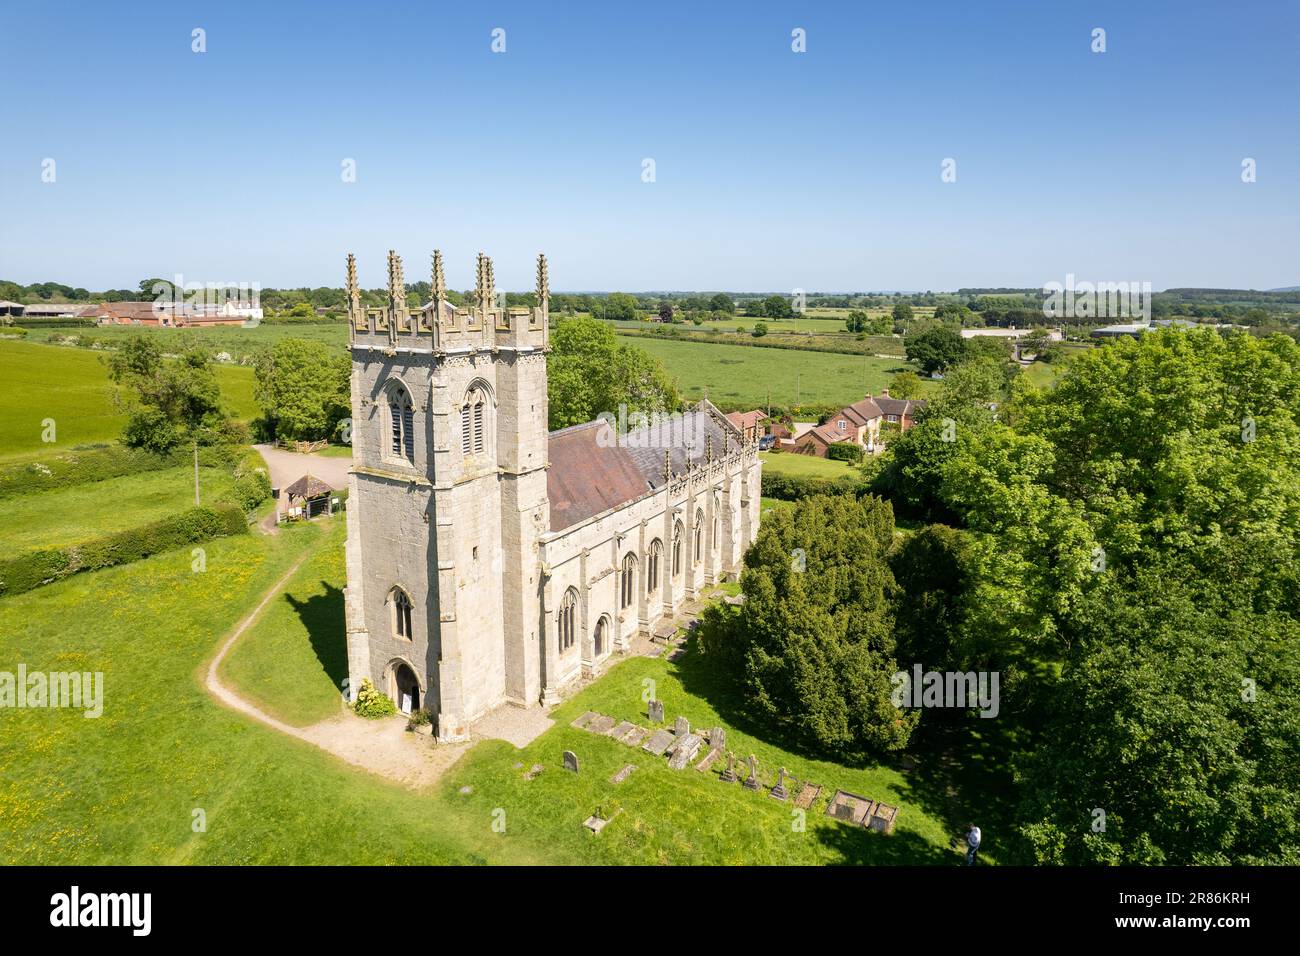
(582, 722)
(634, 737)
(684, 751)
(621, 730)
(623, 774)
(533, 771)
(882, 818)
(659, 742)
(807, 795)
(594, 824)
(603, 724)
(677, 655)
(850, 807)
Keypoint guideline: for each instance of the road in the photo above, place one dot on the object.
(287, 467)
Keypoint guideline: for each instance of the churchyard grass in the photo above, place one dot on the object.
(293, 661)
(129, 786)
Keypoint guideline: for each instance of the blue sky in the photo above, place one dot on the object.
(773, 170)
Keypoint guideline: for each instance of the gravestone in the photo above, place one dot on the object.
(581, 722)
(708, 760)
(751, 782)
(603, 724)
(623, 728)
(623, 774)
(570, 761)
(684, 751)
(658, 742)
(729, 775)
(634, 737)
(533, 771)
(656, 712)
(718, 738)
(779, 791)
(844, 811)
(681, 727)
(807, 795)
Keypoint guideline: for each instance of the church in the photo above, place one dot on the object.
(491, 561)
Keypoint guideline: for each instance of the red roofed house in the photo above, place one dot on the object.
(749, 423)
(860, 423)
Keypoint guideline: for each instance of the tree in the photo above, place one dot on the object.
(902, 313)
(721, 302)
(303, 388)
(813, 644)
(905, 385)
(665, 311)
(619, 306)
(151, 289)
(167, 402)
(589, 372)
(760, 330)
(936, 348)
(777, 307)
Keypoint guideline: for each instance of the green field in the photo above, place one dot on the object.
(742, 375)
(72, 387)
(806, 466)
(234, 340)
(292, 663)
(80, 512)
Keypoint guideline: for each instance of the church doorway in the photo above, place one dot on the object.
(404, 688)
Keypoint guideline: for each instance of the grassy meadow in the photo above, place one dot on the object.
(53, 519)
(806, 466)
(744, 375)
(72, 387)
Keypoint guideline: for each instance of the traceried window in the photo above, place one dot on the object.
(628, 590)
(401, 420)
(565, 620)
(401, 603)
(677, 548)
(473, 422)
(652, 566)
(699, 537)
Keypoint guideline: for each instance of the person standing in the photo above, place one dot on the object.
(973, 837)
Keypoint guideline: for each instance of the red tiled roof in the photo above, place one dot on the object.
(745, 420)
(586, 478)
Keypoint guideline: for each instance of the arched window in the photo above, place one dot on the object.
(401, 603)
(677, 548)
(717, 507)
(652, 566)
(473, 422)
(699, 536)
(602, 634)
(564, 621)
(401, 419)
(628, 591)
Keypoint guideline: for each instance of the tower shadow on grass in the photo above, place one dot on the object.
(322, 615)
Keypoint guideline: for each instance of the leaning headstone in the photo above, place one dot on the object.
(779, 791)
(682, 727)
(570, 761)
(729, 775)
(751, 782)
(656, 712)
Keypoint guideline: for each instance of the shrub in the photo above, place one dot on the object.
(419, 718)
(844, 451)
(371, 704)
(35, 568)
(796, 488)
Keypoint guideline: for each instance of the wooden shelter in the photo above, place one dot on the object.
(308, 497)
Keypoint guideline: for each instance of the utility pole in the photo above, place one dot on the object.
(796, 389)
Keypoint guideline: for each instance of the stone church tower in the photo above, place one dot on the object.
(493, 562)
(448, 496)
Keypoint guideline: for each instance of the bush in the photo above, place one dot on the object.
(34, 568)
(78, 467)
(252, 484)
(371, 704)
(419, 718)
(844, 451)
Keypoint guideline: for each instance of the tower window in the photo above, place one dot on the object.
(401, 419)
(401, 603)
(473, 422)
